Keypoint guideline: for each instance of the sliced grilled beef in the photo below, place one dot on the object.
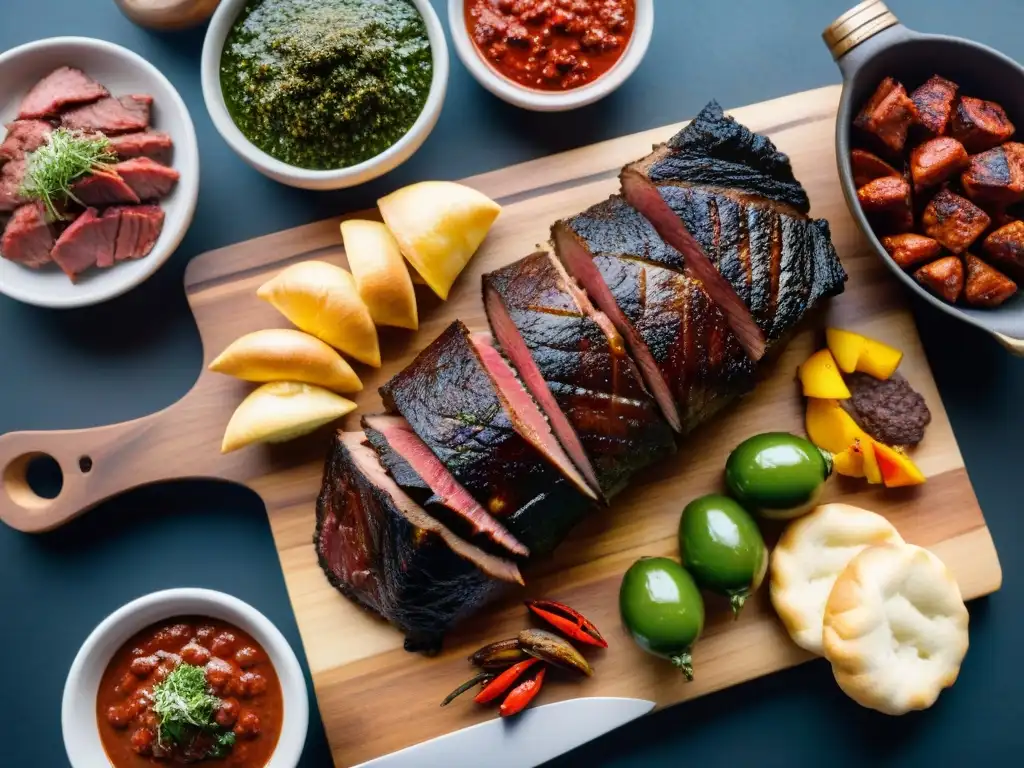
(148, 179)
(88, 241)
(690, 357)
(379, 548)
(111, 115)
(29, 237)
(453, 404)
(152, 144)
(413, 466)
(11, 176)
(576, 365)
(24, 136)
(103, 188)
(716, 152)
(59, 89)
(643, 195)
(139, 229)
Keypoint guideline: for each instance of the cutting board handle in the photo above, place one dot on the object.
(96, 464)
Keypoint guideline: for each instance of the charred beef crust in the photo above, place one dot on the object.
(597, 387)
(396, 466)
(716, 151)
(450, 401)
(409, 576)
(889, 410)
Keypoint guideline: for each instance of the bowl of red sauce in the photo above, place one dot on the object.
(551, 55)
(184, 676)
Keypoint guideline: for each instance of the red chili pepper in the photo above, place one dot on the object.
(570, 623)
(521, 696)
(503, 682)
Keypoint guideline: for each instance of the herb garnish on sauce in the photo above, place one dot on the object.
(185, 706)
(66, 157)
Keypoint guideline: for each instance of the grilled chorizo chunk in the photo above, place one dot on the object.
(868, 167)
(954, 221)
(944, 277)
(1005, 246)
(887, 202)
(888, 115)
(986, 286)
(934, 102)
(936, 160)
(997, 175)
(908, 250)
(980, 124)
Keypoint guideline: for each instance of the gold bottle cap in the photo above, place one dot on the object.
(857, 25)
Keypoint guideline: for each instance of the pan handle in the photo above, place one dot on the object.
(860, 32)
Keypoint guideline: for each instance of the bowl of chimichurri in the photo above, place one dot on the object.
(324, 94)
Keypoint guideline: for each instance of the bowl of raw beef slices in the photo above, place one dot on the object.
(99, 171)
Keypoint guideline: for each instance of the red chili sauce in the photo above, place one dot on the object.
(238, 672)
(551, 45)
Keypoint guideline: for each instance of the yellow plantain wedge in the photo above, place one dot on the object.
(323, 300)
(282, 354)
(380, 272)
(281, 411)
(439, 225)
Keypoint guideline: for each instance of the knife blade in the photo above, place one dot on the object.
(534, 737)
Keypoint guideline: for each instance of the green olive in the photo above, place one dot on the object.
(777, 475)
(662, 609)
(721, 545)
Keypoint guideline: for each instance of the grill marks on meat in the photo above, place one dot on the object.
(111, 115)
(714, 151)
(29, 237)
(147, 178)
(452, 403)
(89, 240)
(382, 550)
(24, 136)
(576, 365)
(414, 467)
(647, 199)
(61, 88)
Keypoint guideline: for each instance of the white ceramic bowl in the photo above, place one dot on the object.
(391, 158)
(549, 101)
(78, 709)
(122, 72)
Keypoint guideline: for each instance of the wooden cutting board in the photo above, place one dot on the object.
(376, 698)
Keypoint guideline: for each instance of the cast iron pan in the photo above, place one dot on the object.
(869, 44)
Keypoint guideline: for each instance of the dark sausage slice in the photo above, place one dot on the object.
(944, 278)
(980, 124)
(986, 285)
(954, 221)
(997, 175)
(888, 203)
(908, 249)
(888, 115)
(1005, 246)
(936, 160)
(868, 167)
(934, 103)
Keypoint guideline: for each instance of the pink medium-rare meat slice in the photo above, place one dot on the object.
(643, 195)
(88, 241)
(575, 364)
(401, 451)
(152, 144)
(139, 229)
(11, 176)
(29, 237)
(102, 188)
(147, 178)
(61, 88)
(111, 115)
(24, 136)
(529, 421)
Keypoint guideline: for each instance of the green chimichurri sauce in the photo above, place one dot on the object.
(326, 84)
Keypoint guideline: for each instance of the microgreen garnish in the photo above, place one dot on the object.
(64, 159)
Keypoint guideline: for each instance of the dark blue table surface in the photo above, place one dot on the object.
(141, 352)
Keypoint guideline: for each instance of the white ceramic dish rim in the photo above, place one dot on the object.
(117, 280)
(213, 45)
(78, 706)
(544, 101)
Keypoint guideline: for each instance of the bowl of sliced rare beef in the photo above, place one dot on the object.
(99, 171)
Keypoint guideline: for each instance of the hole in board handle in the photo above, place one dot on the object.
(33, 480)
